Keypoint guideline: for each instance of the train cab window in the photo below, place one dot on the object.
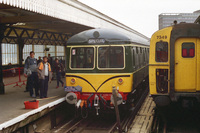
(161, 51)
(82, 57)
(111, 57)
(188, 50)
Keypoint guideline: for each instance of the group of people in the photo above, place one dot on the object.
(39, 73)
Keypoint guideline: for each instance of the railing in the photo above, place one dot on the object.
(14, 76)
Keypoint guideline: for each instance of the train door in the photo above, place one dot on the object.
(186, 65)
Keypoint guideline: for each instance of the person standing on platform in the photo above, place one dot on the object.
(28, 80)
(50, 59)
(58, 68)
(45, 75)
(30, 71)
(39, 60)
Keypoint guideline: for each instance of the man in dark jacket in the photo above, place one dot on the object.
(30, 71)
(58, 68)
(39, 60)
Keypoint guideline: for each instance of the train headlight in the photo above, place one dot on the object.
(73, 81)
(120, 81)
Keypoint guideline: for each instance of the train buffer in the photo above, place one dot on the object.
(144, 118)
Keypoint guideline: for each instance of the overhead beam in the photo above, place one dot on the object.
(53, 26)
(61, 28)
(34, 36)
(24, 19)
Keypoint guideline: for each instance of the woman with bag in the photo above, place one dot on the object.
(58, 68)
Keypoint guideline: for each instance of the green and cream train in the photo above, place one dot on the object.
(100, 59)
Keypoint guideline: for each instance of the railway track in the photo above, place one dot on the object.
(128, 119)
(104, 123)
(177, 119)
(88, 125)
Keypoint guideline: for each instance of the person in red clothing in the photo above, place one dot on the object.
(58, 68)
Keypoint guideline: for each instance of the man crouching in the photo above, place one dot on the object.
(45, 75)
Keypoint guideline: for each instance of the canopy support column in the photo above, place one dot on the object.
(20, 51)
(2, 30)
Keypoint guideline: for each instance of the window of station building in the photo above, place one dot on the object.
(111, 57)
(161, 51)
(39, 51)
(51, 50)
(26, 51)
(82, 57)
(9, 53)
(188, 50)
(60, 50)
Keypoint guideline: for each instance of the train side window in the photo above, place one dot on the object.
(188, 50)
(136, 50)
(141, 50)
(133, 58)
(144, 60)
(148, 54)
(161, 51)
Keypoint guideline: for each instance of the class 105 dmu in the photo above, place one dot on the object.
(99, 60)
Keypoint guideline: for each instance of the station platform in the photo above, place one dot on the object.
(12, 103)
(144, 118)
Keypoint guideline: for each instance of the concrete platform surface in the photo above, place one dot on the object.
(12, 102)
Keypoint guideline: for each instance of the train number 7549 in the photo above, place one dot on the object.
(162, 37)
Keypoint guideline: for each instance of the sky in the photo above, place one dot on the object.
(142, 15)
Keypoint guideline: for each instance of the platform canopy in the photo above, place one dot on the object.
(66, 17)
(51, 22)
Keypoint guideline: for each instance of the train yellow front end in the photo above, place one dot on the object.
(100, 85)
(100, 61)
(174, 64)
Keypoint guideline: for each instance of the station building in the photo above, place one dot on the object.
(167, 19)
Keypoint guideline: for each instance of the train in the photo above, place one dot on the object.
(99, 60)
(174, 64)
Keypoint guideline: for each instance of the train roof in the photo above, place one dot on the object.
(187, 27)
(104, 36)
